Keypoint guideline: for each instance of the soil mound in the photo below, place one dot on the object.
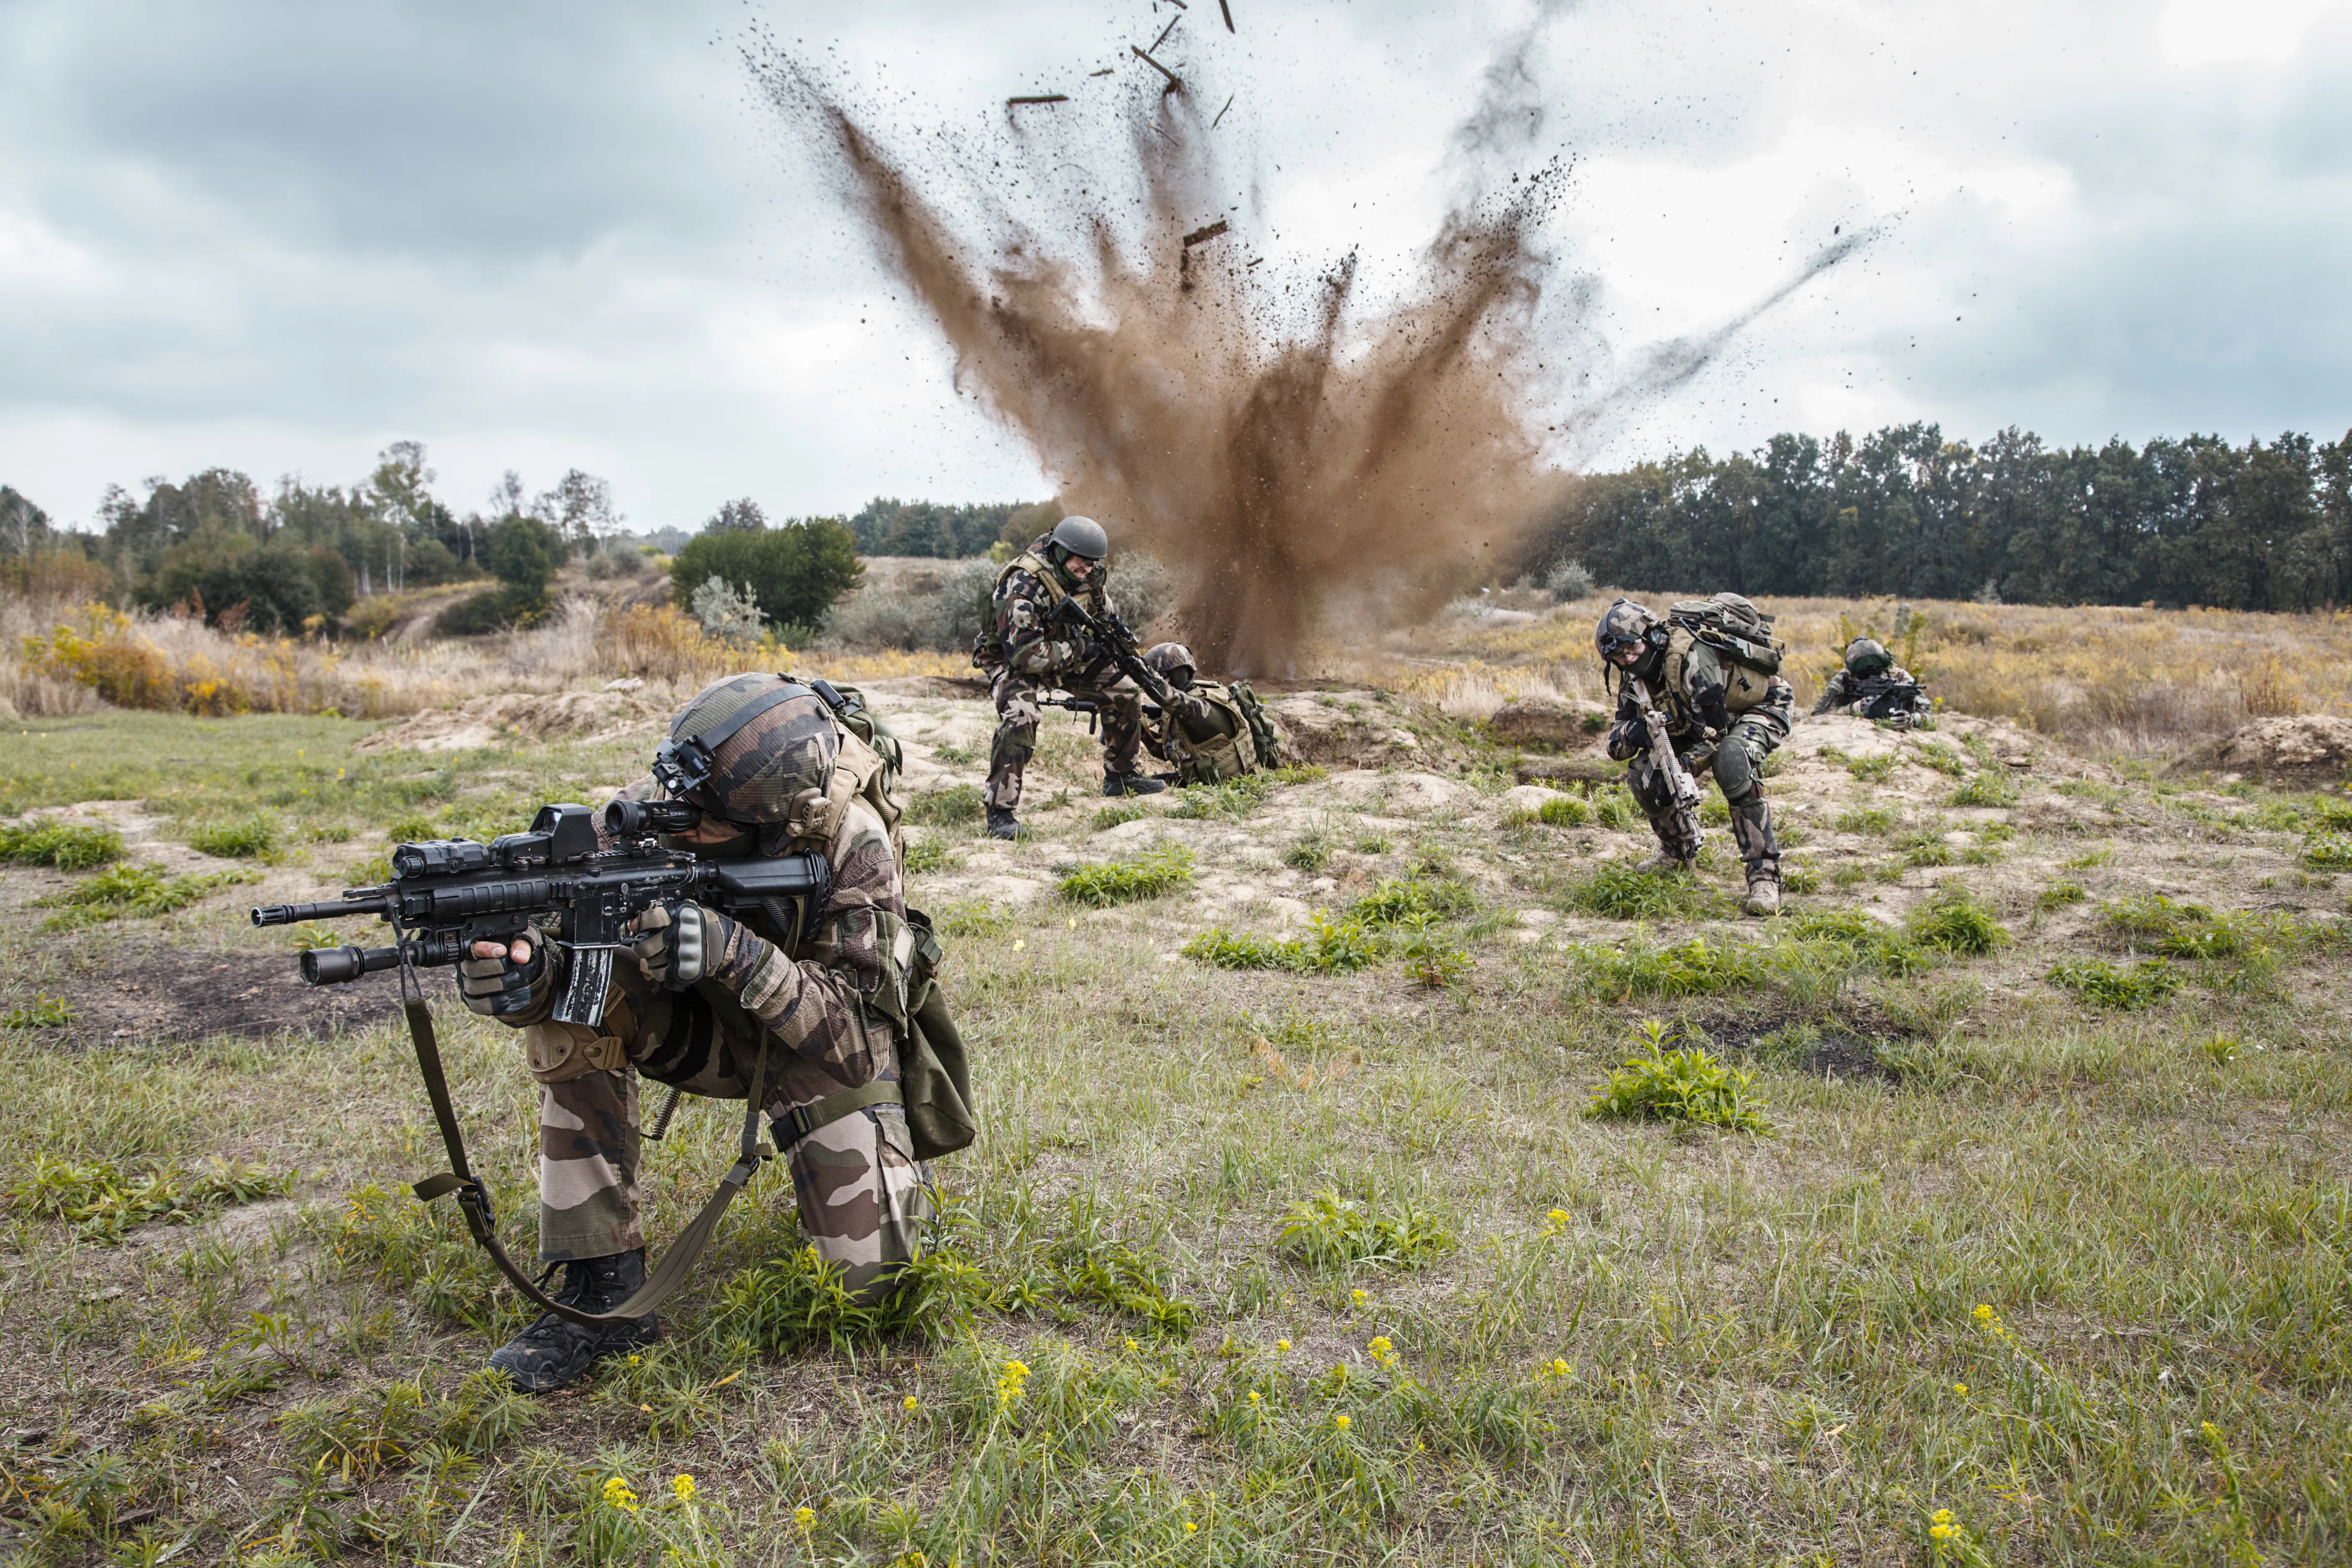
(1560, 724)
(519, 716)
(1348, 730)
(2308, 749)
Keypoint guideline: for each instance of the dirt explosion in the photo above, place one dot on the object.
(1296, 461)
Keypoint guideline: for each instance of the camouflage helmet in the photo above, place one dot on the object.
(1173, 662)
(1079, 536)
(1866, 656)
(1623, 623)
(746, 747)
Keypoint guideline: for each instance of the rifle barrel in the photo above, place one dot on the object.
(295, 914)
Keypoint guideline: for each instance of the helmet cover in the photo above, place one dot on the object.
(1623, 622)
(1173, 662)
(782, 751)
(1866, 656)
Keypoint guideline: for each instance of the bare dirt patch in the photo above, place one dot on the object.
(520, 716)
(154, 991)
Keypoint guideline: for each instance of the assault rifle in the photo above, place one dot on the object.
(1883, 697)
(1110, 634)
(447, 894)
(1679, 783)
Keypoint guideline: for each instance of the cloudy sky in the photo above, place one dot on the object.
(276, 237)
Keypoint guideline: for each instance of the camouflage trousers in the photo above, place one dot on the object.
(1738, 768)
(861, 1195)
(1018, 714)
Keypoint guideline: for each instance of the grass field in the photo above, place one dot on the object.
(2046, 1221)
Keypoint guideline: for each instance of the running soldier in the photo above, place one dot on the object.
(778, 772)
(1026, 652)
(1702, 669)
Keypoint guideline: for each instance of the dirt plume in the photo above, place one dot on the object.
(1299, 452)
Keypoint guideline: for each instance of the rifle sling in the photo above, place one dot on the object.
(474, 1200)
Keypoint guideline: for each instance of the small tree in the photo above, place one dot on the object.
(795, 573)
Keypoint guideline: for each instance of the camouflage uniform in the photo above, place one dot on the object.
(1039, 658)
(1202, 731)
(860, 1192)
(1689, 681)
(1867, 662)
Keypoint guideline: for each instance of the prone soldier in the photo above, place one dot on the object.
(1872, 686)
(1702, 666)
(773, 769)
(1026, 652)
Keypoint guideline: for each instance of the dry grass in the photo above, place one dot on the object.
(2112, 677)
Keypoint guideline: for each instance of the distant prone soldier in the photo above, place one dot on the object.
(1709, 674)
(1025, 652)
(1215, 731)
(1872, 686)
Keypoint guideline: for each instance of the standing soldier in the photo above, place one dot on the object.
(773, 770)
(1026, 652)
(1872, 686)
(1703, 669)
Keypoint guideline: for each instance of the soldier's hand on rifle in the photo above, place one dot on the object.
(677, 944)
(497, 979)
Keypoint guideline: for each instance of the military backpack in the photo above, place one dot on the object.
(1243, 738)
(1734, 628)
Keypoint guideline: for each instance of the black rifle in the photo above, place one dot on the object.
(1109, 634)
(447, 894)
(1884, 697)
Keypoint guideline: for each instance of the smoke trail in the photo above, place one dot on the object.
(1293, 458)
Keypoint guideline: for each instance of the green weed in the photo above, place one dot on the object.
(246, 839)
(1559, 811)
(1151, 875)
(1431, 960)
(2328, 851)
(1694, 968)
(44, 1012)
(965, 918)
(790, 1303)
(1233, 798)
(1615, 809)
(65, 846)
(1873, 769)
(1332, 1232)
(1686, 1085)
(1621, 890)
(1935, 754)
(1310, 853)
(953, 806)
(104, 1201)
(930, 853)
(1333, 948)
(1370, 844)
(1988, 788)
(139, 891)
(1955, 921)
(2111, 986)
(1119, 813)
(2059, 894)
(1401, 900)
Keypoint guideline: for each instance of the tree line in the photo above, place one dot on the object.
(2196, 521)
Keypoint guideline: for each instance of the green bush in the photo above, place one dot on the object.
(2113, 985)
(65, 846)
(789, 1303)
(1428, 959)
(1872, 770)
(1119, 815)
(795, 572)
(1955, 921)
(1311, 853)
(1233, 798)
(949, 807)
(243, 841)
(1166, 870)
(1942, 758)
(1330, 1231)
(1559, 811)
(2059, 894)
(105, 1200)
(1615, 809)
(1987, 788)
(929, 854)
(1686, 1085)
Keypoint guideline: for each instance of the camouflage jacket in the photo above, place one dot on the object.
(1025, 601)
(1698, 690)
(826, 1003)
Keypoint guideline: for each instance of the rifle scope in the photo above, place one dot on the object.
(636, 818)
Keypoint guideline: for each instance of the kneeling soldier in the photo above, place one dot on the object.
(1215, 730)
(1720, 707)
(774, 771)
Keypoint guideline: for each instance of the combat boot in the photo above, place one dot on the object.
(1763, 892)
(1002, 824)
(1132, 784)
(553, 1352)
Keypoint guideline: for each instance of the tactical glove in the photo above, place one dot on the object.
(1634, 732)
(1711, 709)
(677, 944)
(497, 988)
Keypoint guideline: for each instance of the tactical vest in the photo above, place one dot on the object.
(1743, 687)
(1230, 753)
(988, 647)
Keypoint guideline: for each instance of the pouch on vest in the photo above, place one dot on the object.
(1264, 733)
(934, 1072)
(1733, 628)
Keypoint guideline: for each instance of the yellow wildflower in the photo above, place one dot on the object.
(1940, 1532)
(617, 1495)
(1282, 1345)
(1340, 1422)
(1020, 943)
(804, 1516)
(1961, 1389)
(912, 1402)
(1384, 1353)
(1252, 1396)
(1984, 1312)
(684, 1487)
(1130, 1344)
(1190, 1526)
(1942, 1516)
(1358, 1296)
